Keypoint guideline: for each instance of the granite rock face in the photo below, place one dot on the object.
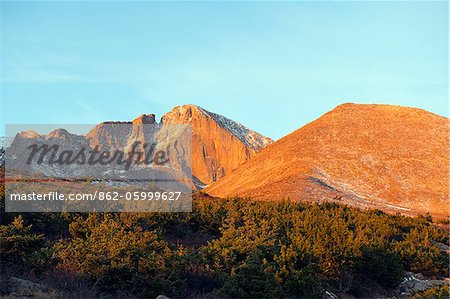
(219, 145)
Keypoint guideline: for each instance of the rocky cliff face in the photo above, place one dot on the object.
(219, 144)
(388, 157)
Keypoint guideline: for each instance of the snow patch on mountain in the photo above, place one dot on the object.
(249, 137)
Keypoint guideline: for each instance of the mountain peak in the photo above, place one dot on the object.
(219, 143)
(144, 119)
(192, 113)
(30, 134)
(383, 108)
(381, 156)
(354, 107)
(183, 114)
(58, 133)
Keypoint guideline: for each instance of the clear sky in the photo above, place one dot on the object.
(273, 66)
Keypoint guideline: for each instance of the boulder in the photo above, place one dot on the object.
(18, 287)
(416, 282)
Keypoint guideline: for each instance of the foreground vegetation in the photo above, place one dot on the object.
(225, 248)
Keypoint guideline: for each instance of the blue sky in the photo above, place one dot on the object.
(273, 66)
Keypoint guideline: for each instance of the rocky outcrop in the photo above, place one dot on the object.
(29, 134)
(380, 156)
(219, 144)
(21, 288)
(146, 119)
(59, 133)
(110, 135)
(415, 283)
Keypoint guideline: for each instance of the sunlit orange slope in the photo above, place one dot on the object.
(389, 157)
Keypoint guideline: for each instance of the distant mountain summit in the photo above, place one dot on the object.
(388, 157)
(219, 144)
